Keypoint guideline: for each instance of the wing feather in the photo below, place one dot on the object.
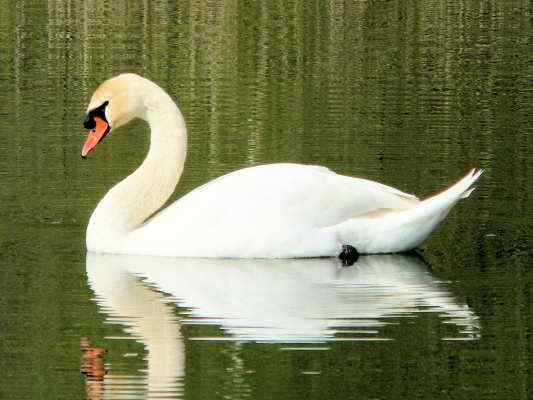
(276, 195)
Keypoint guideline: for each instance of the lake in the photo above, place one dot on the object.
(411, 94)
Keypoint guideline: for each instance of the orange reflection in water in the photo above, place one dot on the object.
(92, 367)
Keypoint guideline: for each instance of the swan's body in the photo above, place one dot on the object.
(268, 211)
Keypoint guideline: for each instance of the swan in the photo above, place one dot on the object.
(266, 211)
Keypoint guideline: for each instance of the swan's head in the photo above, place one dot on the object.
(114, 103)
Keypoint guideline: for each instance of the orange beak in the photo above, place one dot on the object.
(95, 135)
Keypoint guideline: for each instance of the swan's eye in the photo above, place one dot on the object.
(99, 111)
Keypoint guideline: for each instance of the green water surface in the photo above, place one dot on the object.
(410, 93)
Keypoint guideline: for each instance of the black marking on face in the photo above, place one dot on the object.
(99, 111)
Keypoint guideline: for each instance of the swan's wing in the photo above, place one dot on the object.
(274, 194)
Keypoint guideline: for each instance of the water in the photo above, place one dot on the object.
(411, 94)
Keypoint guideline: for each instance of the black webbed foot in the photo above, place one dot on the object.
(349, 255)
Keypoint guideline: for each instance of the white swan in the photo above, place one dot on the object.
(267, 211)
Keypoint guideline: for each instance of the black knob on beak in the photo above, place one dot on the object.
(88, 122)
(99, 111)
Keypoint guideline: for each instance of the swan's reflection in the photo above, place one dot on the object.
(145, 315)
(302, 300)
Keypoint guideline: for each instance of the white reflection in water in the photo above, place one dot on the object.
(145, 315)
(287, 301)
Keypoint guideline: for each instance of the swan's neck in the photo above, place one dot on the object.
(129, 203)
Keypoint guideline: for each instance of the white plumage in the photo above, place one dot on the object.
(267, 211)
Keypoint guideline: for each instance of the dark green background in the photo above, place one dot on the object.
(410, 93)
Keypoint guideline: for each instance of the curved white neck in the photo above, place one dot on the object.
(132, 201)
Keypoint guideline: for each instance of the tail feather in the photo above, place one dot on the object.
(425, 217)
(476, 174)
(436, 207)
(467, 193)
(459, 190)
(391, 231)
(472, 177)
